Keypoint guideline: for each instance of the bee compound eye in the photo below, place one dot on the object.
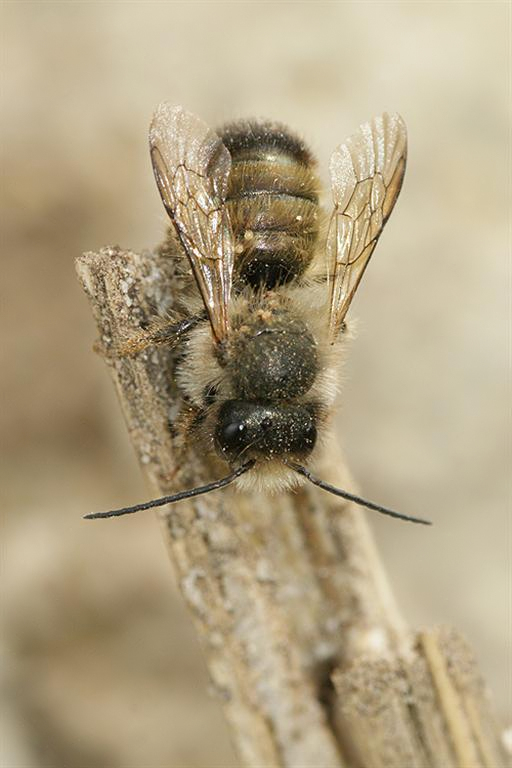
(232, 435)
(233, 431)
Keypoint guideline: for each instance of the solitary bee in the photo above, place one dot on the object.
(263, 331)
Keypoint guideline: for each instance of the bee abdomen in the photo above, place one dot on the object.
(272, 201)
(252, 139)
(250, 178)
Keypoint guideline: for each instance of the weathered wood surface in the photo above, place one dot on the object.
(428, 708)
(284, 590)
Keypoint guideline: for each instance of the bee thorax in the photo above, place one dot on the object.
(272, 358)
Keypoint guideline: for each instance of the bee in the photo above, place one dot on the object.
(263, 330)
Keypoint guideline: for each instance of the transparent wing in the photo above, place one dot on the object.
(192, 166)
(366, 177)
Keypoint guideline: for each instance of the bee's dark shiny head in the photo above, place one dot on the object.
(264, 431)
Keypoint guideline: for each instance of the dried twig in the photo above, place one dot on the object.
(285, 590)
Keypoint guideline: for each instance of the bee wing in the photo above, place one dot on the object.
(366, 177)
(191, 166)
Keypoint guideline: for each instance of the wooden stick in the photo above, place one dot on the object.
(282, 589)
(429, 709)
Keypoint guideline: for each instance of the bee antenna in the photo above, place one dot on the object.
(176, 496)
(350, 496)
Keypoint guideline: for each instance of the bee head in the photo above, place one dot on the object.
(262, 431)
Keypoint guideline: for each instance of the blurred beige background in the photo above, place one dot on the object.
(100, 666)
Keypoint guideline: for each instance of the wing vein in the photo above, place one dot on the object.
(362, 204)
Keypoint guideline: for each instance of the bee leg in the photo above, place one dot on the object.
(159, 334)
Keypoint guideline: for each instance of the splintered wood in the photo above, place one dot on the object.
(287, 592)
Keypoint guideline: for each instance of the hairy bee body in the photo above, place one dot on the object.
(260, 326)
(269, 390)
(261, 336)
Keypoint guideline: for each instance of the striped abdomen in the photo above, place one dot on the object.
(272, 201)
